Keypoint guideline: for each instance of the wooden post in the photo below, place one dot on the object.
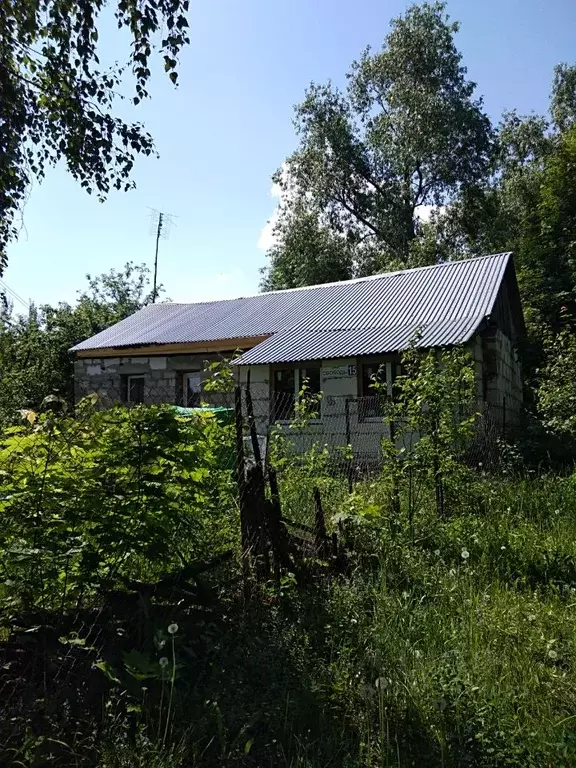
(438, 480)
(255, 514)
(252, 423)
(395, 485)
(278, 533)
(240, 463)
(243, 501)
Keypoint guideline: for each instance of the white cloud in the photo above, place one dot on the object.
(266, 239)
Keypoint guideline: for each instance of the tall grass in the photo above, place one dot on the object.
(449, 644)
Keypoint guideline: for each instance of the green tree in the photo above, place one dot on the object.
(553, 243)
(306, 252)
(56, 98)
(34, 349)
(492, 216)
(557, 391)
(527, 206)
(536, 218)
(563, 105)
(432, 417)
(407, 133)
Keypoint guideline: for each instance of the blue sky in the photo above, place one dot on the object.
(228, 126)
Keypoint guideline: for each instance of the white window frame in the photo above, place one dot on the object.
(297, 388)
(129, 379)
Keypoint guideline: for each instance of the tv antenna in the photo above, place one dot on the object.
(160, 226)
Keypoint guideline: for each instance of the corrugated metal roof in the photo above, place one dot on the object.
(297, 345)
(448, 301)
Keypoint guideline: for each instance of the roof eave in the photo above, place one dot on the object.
(149, 350)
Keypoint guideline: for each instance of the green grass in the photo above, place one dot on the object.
(450, 643)
(453, 643)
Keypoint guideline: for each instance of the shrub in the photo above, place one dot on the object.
(106, 495)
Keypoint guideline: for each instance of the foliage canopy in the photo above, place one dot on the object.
(56, 96)
(408, 132)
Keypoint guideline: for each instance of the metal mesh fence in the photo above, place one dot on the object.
(358, 424)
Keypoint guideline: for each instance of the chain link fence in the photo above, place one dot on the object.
(333, 421)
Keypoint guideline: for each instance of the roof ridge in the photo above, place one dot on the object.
(409, 324)
(380, 275)
(352, 280)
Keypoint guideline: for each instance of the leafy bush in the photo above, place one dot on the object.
(557, 393)
(108, 495)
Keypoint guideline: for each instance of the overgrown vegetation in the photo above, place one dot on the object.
(128, 638)
(92, 500)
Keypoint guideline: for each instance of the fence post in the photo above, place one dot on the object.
(320, 534)
(278, 533)
(395, 485)
(252, 423)
(348, 442)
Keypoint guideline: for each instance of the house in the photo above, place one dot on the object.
(334, 336)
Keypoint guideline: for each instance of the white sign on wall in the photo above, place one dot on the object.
(339, 372)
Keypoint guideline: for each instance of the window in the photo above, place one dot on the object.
(372, 390)
(135, 390)
(287, 383)
(284, 393)
(192, 390)
(377, 380)
(310, 377)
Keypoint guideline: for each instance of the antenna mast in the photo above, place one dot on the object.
(158, 233)
(160, 224)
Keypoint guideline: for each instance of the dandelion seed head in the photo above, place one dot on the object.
(381, 684)
(172, 629)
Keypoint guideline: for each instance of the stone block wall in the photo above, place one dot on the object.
(163, 376)
(503, 388)
(498, 378)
